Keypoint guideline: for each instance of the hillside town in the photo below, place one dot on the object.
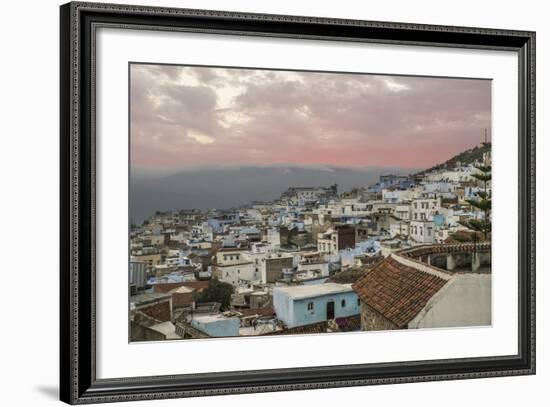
(409, 251)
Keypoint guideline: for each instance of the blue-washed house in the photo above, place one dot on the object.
(309, 304)
(220, 222)
(216, 325)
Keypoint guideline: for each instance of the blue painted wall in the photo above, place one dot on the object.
(295, 312)
(439, 220)
(218, 327)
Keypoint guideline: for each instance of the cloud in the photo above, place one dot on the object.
(182, 117)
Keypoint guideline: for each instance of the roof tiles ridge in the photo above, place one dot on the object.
(422, 267)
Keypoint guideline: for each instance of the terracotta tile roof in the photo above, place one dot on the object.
(398, 291)
(316, 328)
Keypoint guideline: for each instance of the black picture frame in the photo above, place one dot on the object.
(78, 382)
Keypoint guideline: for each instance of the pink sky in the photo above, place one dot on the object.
(187, 117)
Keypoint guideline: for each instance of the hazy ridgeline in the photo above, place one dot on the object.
(226, 188)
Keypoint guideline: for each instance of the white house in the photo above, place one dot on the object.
(273, 237)
(422, 231)
(394, 195)
(327, 242)
(233, 266)
(400, 228)
(403, 211)
(176, 258)
(424, 209)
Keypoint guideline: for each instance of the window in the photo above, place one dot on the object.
(310, 306)
(358, 302)
(343, 303)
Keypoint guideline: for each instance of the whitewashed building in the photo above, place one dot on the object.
(422, 231)
(425, 209)
(233, 266)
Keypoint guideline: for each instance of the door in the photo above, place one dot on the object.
(330, 310)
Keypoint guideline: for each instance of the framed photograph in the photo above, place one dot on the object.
(255, 203)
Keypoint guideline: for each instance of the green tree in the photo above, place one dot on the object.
(217, 291)
(482, 203)
(463, 236)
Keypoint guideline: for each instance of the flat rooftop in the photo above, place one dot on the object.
(145, 298)
(205, 319)
(317, 290)
(167, 328)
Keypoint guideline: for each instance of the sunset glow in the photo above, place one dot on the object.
(187, 117)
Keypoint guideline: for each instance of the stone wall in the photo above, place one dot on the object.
(372, 320)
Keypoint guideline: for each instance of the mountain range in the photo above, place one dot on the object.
(224, 188)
